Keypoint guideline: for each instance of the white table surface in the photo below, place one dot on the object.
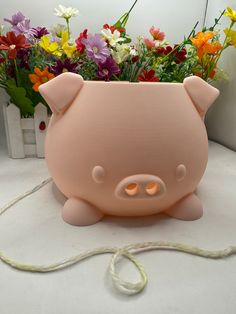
(34, 232)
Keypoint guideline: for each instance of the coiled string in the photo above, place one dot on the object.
(127, 251)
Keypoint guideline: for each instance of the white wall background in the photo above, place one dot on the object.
(221, 118)
(176, 18)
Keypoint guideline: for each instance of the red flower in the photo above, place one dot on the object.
(178, 56)
(12, 42)
(2, 59)
(164, 50)
(107, 26)
(160, 51)
(79, 41)
(148, 76)
(135, 59)
(168, 50)
(112, 28)
(121, 30)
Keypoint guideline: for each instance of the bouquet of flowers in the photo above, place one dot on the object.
(31, 56)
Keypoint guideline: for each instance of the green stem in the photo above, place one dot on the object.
(181, 45)
(192, 31)
(125, 19)
(224, 46)
(225, 41)
(116, 77)
(217, 21)
(138, 67)
(68, 27)
(132, 7)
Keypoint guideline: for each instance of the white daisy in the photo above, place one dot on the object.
(66, 13)
(112, 38)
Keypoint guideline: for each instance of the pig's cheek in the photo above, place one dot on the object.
(180, 172)
(98, 174)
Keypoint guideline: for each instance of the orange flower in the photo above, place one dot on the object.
(40, 77)
(201, 41)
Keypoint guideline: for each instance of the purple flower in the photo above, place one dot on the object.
(64, 66)
(38, 32)
(107, 69)
(20, 24)
(10, 70)
(23, 55)
(15, 19)
(96, 48)
(22, 28)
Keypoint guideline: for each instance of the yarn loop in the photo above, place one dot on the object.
(127, 251)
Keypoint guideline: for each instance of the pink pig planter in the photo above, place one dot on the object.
(127, 149)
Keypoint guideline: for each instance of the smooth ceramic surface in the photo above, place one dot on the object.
(127, 149)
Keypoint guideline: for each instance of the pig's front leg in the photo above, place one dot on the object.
(80, 213)
(189, 208)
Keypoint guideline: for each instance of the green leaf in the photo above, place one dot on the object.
(19, 98)
(119, 23)
(125, 20)
(127, 40)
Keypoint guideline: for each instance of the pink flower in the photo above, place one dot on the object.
(150, 44)
(156, 33)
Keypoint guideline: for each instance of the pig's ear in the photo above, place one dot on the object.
(201, 93)
(61, 91)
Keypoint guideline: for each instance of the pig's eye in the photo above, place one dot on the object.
(180, 172)
(98, 174)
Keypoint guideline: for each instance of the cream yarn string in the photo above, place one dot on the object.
(127, 251)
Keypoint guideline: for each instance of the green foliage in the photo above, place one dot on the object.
(87, 69)
(19, 87)
(18, 96)
(25, 82)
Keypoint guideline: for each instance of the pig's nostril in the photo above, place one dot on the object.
(131, 189)
(152, 188)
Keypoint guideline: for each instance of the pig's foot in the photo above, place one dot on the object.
(79, 213)
(189, 208)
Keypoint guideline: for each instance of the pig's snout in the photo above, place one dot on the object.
(140, 186)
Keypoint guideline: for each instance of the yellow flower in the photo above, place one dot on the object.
(231, 34)
(46, 44)
(231, 14)
(64, 37)
(68, 48)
